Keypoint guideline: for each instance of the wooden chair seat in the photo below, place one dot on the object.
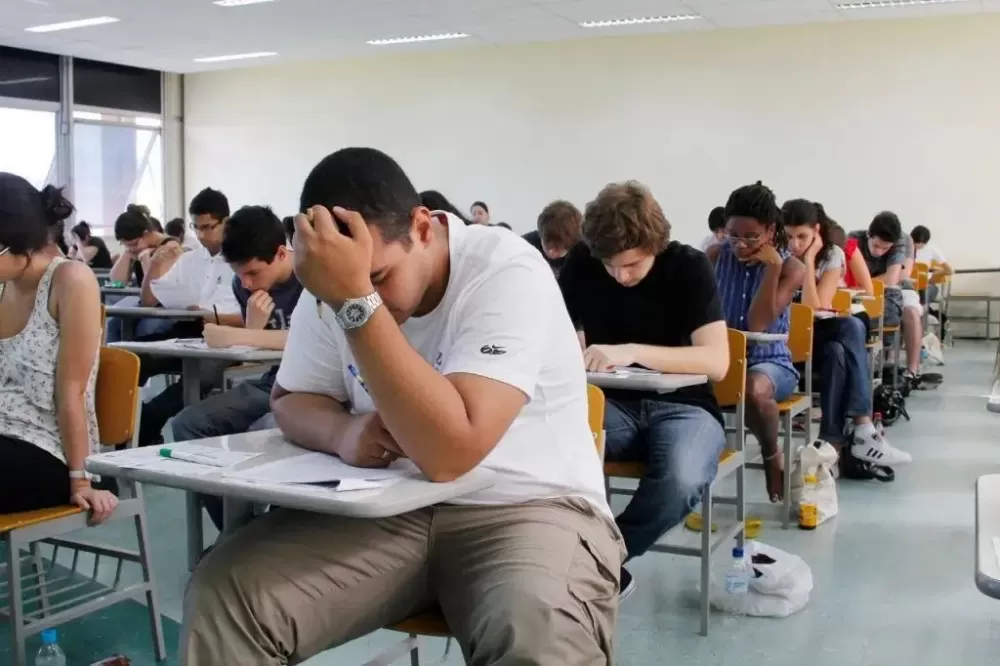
(16, 521)
(792, 402)
(429, 623)
(890, 329)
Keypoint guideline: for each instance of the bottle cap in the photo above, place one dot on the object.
(737, 553)
(49, 637)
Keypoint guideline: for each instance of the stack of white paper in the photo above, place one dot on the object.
(322, 468)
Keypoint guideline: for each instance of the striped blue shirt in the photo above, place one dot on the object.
(738, 284)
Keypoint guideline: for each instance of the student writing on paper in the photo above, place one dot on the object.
(267, 290)
(758, 278)
(50, 333)
(841, 358)
(637, 297)
(457, 335)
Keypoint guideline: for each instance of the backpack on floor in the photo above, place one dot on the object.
(889, 403)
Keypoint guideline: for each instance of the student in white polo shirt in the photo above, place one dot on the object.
(449, 345)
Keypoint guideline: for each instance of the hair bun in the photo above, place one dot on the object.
(57, 207)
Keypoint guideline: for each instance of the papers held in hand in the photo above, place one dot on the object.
(619, 371)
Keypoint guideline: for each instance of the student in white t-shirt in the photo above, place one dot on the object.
(717, 227)
(450, 345)
(928, 253)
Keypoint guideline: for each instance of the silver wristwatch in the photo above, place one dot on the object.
(356, 312)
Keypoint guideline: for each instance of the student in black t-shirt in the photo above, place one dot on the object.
(558, 230)
(267, 290)
(88, 248)
(639, 299)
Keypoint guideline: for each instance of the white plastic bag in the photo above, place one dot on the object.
(819, 461)
(935, 353)
(780, 583)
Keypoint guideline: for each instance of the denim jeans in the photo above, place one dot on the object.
(680, 446)
(144, 328)
(245, 408)
(844, 388)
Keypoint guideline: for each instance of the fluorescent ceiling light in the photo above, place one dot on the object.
(237, 56)
(419, 38)
(875, 4)
(639, 21)
(239, 3)
(69, 25)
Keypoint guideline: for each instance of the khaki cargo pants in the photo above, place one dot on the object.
(533, 583)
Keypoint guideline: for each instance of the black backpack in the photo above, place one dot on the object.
(890, 404)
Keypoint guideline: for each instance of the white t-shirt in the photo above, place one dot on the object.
(502, 317)
(708, 241)
(197, 278)
(835, 261)
(930, 253)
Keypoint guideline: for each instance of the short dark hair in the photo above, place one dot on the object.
(624, 216)
(481, 204)
(436, 201)
(175, 227)
(717, 219)
(132, 224)
(27, 215)
(559, 224)
(758, 202)
(886, 226)
(81, 230)
(920, 234)
(369, 182)
(252, 232)
(210, 202)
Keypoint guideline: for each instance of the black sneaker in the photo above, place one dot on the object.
(625, 585)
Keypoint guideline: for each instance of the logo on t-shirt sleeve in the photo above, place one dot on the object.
(492, 350)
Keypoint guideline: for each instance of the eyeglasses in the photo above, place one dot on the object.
(749, 239)
(4, 251)
(203, 229)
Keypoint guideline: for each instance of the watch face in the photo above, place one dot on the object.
(355, 313)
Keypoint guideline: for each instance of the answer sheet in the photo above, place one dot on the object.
(316, 467)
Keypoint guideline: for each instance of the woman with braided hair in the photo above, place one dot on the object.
(758, 278)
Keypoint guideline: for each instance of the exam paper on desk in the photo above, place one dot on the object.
(149, 457)
(316, 467)
(173, 295)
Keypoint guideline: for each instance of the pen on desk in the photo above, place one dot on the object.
(357, 375)
(216, 311)
(190, 457)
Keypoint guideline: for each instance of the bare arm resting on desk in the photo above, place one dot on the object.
(707, 355)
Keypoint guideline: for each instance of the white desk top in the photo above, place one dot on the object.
(407, 494)
(198, 350)
(988, 535)
(766, 337)
(154, 313)
(644, 381)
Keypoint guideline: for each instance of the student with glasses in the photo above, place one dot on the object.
(758, 279)
(50, 334)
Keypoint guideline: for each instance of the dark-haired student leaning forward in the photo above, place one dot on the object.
(267, 290)
(447, 344)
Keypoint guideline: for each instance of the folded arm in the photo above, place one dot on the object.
(707, 355)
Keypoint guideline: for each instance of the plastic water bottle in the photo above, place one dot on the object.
(738, 583)
(50, 653)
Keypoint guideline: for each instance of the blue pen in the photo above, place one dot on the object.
(357, 375)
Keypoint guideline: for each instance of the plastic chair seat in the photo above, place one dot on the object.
(792, 402)
(429, 623)
(16, 521)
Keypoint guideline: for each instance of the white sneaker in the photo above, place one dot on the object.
(878, 451)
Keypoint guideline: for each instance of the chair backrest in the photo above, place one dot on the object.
(842, 300)
(800, 332)
(919, 266)
(876, 306)
(595, 416)
(116, 400)
(730, 391)
(921, 277)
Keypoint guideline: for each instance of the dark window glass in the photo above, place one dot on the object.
(29, 74)
(115, 86)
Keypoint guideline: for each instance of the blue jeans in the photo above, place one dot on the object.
(680, 446)
(245, 408)
(784, 380)
(844, 388)
(143, 327)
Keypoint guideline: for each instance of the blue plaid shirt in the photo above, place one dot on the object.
(738, 284)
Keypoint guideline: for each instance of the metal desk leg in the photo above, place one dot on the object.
(128, 328)
(191, 386)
